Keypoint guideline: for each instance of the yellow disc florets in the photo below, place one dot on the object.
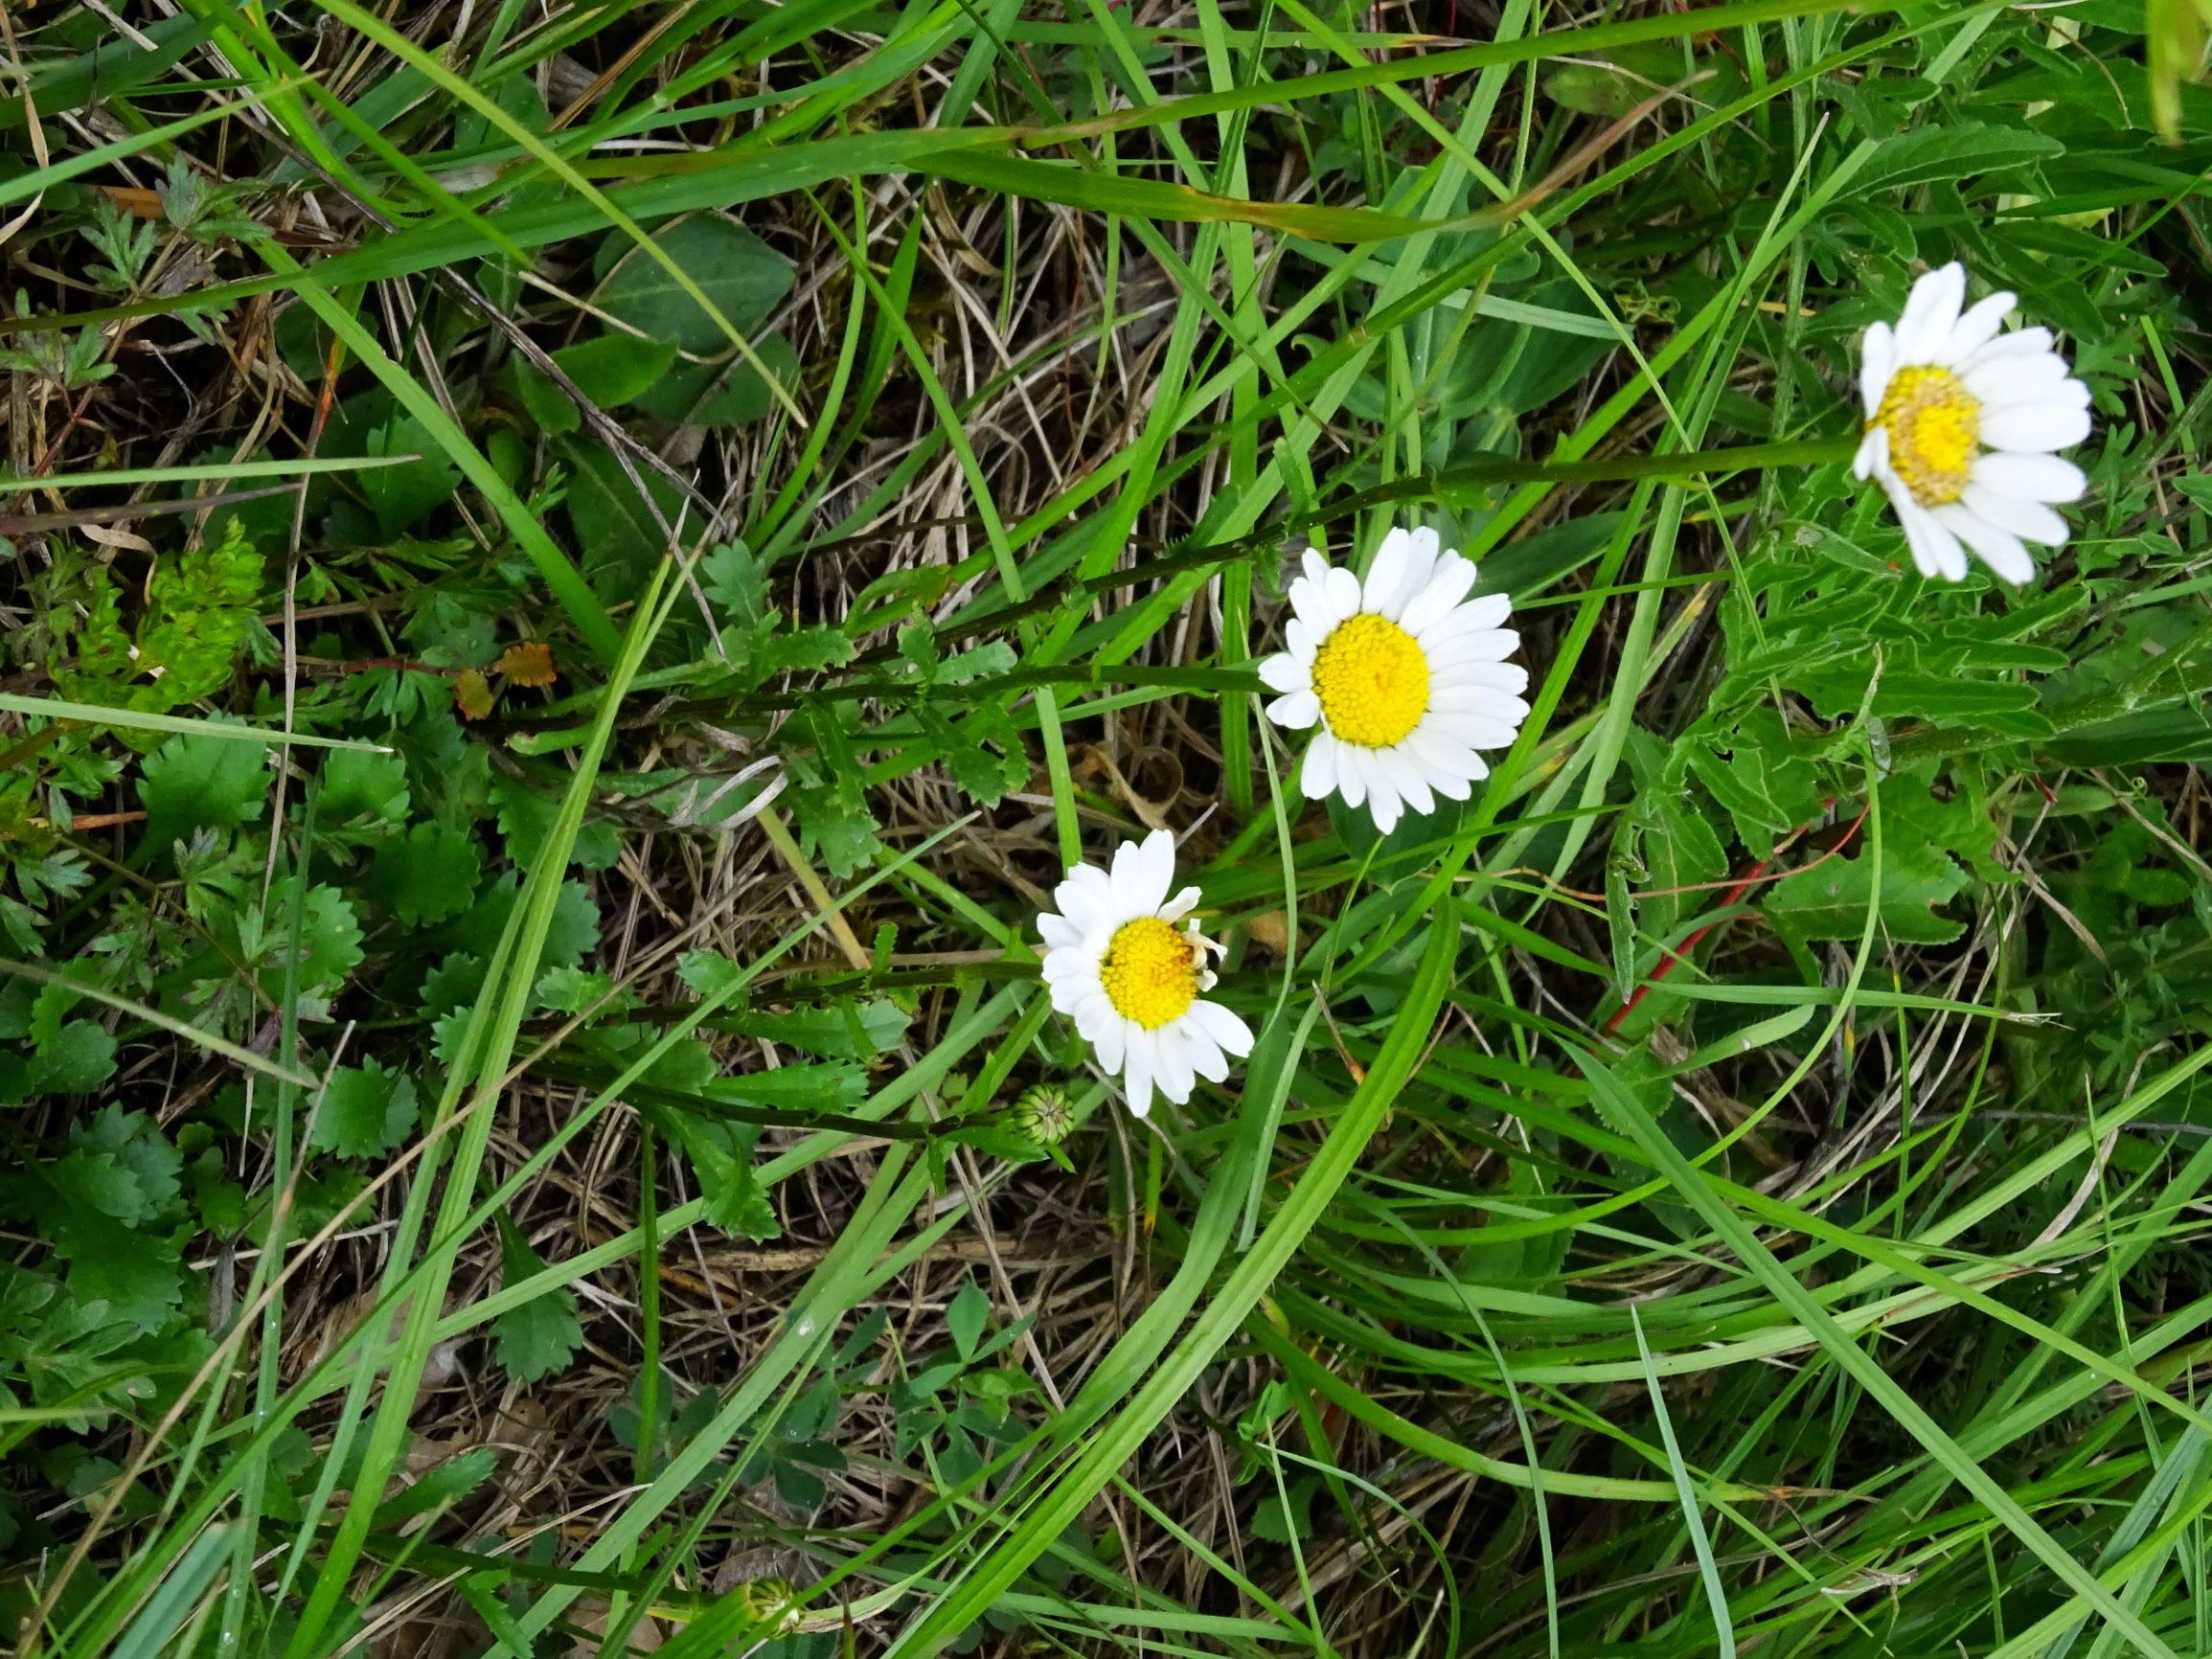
(1934, 427)
(1372, 679)
(1151, 971)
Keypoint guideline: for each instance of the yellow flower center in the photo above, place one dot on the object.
(1372, 680)
(1934, 426)
(1150, 972)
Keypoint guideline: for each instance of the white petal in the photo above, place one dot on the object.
(2021, 379)
(1386, 589)
(1454, 575)
(1478, 615)
(1999, 549)
(1483, 646)
(1316, 567)
(1507, 679)
(1285, 673)
(1094, 1016)
(1309, 599)
(1091, 889)
(1343, 593)
(2029, 521)
(1203, 1053)
(1172, 1059)
(2020, 343)
(1112, 1045)
(1976, 328)
(1297, 711)
(1057, 931)
(2030, 477)
(1441, 752)
(1231, 1034)
(1180, 906)
(1317, 772)
(1931, 312)
(1159, 865)
(1935, 551)
(1137, 1071)
(1877, 363)
(1301, 643)
(2035, 426)
(1383, 802)
(1405, 777)
(1873, 457)
(1352, 773)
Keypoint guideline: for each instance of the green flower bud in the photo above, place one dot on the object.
(1045, 1114)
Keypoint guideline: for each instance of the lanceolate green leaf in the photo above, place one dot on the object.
(1073, 1487)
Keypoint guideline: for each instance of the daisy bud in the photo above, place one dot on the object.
(1045, 1114)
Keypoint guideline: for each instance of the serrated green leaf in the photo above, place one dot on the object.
(447, 1483)
(721, 1160)
(427, 875)
(76, 1060)
(1765, 787)
(542, 1336)
(359, 787)
(364, 1110)
(200, 783)
(707, 972)
(526, 817)
(849, 1029)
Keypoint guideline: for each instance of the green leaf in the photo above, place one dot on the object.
(447, 1483)
(527, 815)
(621, 539)
(402, 495)
(732, 579)
(78, 1059)
(730, 392)
(427, 875)
(746, 280)
(1759, 778)
(966, 1316)
(707, 972)
(741, 276)
(329, 943)
(540, 1336)
(1829, 898)
(360, 787)
(722, 1159)
(847, 1030)
(1945, 151)
(610, 370)
(365, 1110)
(200, 783)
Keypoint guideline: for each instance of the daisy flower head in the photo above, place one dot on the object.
(1962, 423)
(1128, 963)
(1403, 675)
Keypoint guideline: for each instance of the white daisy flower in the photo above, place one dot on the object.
(1405, 673)
(1128, 963)
(1961, 422)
